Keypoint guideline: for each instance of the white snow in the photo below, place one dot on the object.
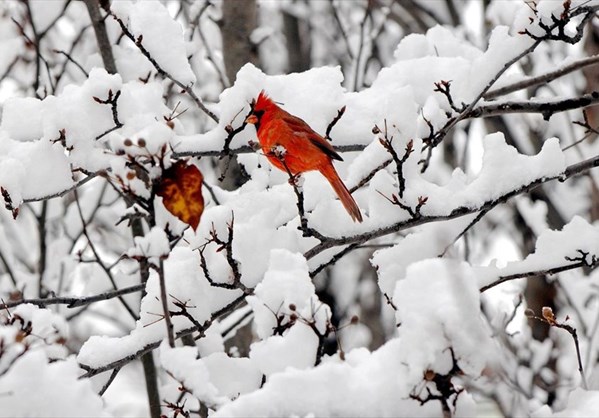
(161, 36)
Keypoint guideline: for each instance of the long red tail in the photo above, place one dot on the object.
(346, 198)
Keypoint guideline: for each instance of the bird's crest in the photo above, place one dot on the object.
(263, 102)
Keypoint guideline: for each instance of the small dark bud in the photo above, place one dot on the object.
(354, 320)
(127, 142)
(141, 142)
(292, 307)
(228, 129)
(376, 130)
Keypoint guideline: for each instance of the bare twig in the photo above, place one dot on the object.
(476, 220)
(62, 192)
(73, 301)
(340, 113)
(546, 108)
(99, 261)
(549, 318)
(109, 381)
(341, 29)
(334, 259)
(543, 78)
(164, 300)
(361, 45)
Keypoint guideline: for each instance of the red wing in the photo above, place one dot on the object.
(299, 127)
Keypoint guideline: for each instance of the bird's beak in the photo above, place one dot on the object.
(253, 119)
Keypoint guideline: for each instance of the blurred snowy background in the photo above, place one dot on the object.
(468, 140)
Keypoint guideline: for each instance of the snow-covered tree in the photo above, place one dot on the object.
(154, 262)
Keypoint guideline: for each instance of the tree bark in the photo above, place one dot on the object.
(238, 22)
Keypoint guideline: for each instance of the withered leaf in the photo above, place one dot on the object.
(181, 192)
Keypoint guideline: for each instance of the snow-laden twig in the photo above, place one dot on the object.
(570, 171)
(187, 88)
(93, 371)
(544, 272)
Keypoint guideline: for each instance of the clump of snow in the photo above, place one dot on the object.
(35, 388)
(438, 308)
(296, 349)
(286, 283)
(161, 35)
(581, 403)
(429, 242)
(285, 299)
(22, 118)
(31, 170)
(503, 170)
(183, 364)
(578, 241)
(366, 384)
(214, 379)
(185, 284)
(154, 244)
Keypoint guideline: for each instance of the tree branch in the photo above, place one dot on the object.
(73, 301)
(455, 213)
(543, 78)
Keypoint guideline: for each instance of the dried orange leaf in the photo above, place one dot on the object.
(181, 192)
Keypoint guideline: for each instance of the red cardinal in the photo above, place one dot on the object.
(290, 144)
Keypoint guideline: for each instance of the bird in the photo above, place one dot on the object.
(291, 145)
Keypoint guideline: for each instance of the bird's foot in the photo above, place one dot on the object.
(254, 145)
(296, 180)
(279, 151)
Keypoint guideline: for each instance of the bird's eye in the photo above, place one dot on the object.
(259, 113)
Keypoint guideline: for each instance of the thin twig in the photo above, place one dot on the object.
(164, 300)
(73, 301)
(62, 192)
(109, 381)
(543, 78)
(468, 227)
(98, 260)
